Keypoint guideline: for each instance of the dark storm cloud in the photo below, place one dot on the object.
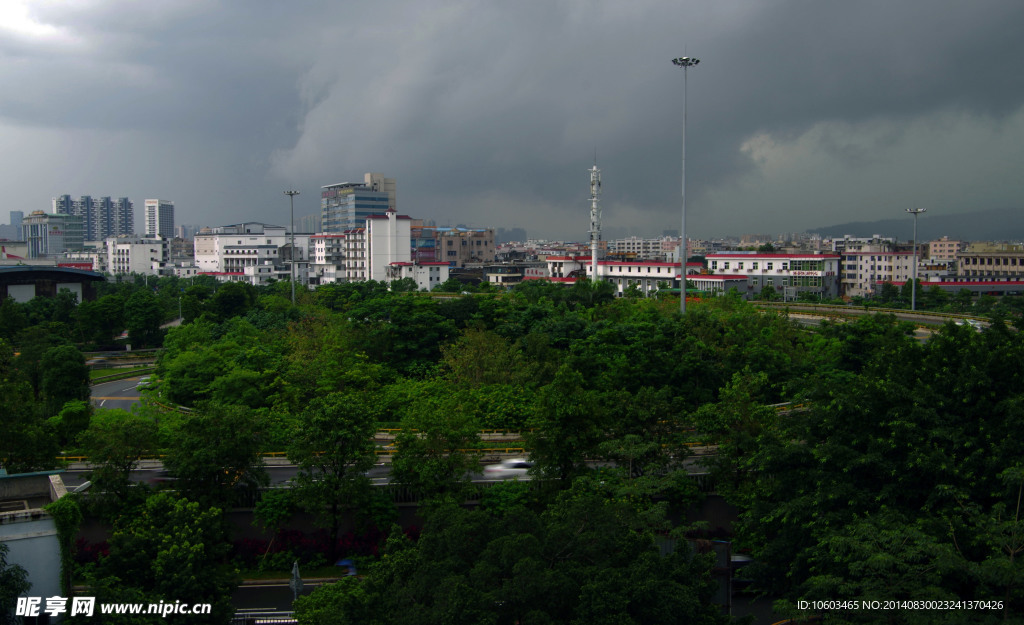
(489, 113)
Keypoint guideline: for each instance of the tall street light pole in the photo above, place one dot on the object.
(685, 62)
(913, 281)
(291, 197)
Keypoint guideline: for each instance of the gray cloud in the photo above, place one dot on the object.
(800, 113)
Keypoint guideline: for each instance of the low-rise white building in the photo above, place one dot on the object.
(426, 275)
(648, 276)
(789, 274)
(127, 254)
(252, 252)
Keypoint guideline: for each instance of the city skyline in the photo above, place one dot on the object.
(800, 115)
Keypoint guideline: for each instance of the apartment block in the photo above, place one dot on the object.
(990, 263)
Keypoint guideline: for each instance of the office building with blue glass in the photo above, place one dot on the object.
(346, 205)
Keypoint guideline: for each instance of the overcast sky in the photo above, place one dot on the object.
(802, 113)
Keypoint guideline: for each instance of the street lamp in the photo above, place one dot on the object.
(291, 197)
(685, 62)
(913, 281)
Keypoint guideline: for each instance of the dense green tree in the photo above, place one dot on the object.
(333, 449)
(435, 451)
(919, 292)
(402, 331)
(33, 342)
(12, 318)
(72, 419)
(216, 454)
(65, 377)
(143, 316)
(186, 379)
(28, 443)
(115, 442)
(64, 304)
(889, 294)
(480, 357)
(171, 550)
(588, 559)
(769, 294)
(588, 293)
(451, 285)
(232, 299)
(568, 424)
(101, 320)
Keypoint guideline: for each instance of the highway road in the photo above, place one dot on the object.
(118, 394)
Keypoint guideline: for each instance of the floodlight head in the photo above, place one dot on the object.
(685, 61)
(915, 211)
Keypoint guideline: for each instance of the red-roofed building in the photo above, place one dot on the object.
(789, 274)
(648, 276)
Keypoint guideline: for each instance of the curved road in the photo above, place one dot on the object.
(118, 394)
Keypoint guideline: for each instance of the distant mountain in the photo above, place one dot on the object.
(1002, 224)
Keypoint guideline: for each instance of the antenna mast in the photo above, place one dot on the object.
(595, 216)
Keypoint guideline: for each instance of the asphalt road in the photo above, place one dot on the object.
(118, 394)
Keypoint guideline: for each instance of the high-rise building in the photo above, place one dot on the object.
(346, 205)
(63, 205)
(52, 235)
(377, 182)
(101, 218)
(160, 218)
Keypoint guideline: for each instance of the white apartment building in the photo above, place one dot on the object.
(790, 274)
(658, 249)
(127, 254)
(865, 272)
(252, 252)
(327, 265)
(159, 218)
(874, 243)
(360, 254)
(388, 240)
(426, 275)
(354, 255)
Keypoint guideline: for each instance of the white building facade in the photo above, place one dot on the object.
(252, 252)
(647, 276)
(131, 254)
(865, 272)
(159, 218)
(388, 240)
(789, 274)
(426, 275)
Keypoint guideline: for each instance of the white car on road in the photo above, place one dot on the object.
(509, 468)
